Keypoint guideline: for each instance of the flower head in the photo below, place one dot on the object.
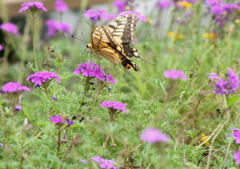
(114, 105)
(12, 87)
(18, 108)
(236, 156)
(104, 163)
(140, 16)
(1, 47)
(93, 70)
(121, 5)
(56, 119)
(153, 135)
(95, 15)
(69, 122)
(228, 86)
(10, 28)
(61, 6)
(40, 77)
(164, 4)
(175, 74)
(213, 76)
(32, 6)
(236, 134)
(55, 26)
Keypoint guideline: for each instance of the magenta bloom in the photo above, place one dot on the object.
(32, 5)
(10, 28)
(93, 70)
(175, 74)
(227, 86)
(55, 26)
(1, 47)
(12, 87)
(56, 119)
(153, 135)
(164, 4)
(114, 105)
(104, 163)
(18, 108)
(96, 15)
(140, 16)
(121, 5)
(236, 156)
(61, 6)
(69, 122)
(40, 77)
(236, 134)
(213, 76)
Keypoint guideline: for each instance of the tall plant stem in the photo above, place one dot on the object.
(34, 44)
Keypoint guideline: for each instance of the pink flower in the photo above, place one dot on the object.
(96, 15)
(55, 26)
(236, 156)
(153, 135)
(114, 105)
(12, 87)
(18, 108)
(175, 74)
(32, 5)
(40, 77)
(10, 28)
(61, 6)
(140, 16)
(1, 47)
(56, 119)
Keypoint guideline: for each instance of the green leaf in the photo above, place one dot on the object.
(232, 100)
(41, 123)
(26, 111)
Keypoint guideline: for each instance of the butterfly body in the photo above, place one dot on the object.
(112, 41)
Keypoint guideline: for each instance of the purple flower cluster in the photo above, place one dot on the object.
(164, 4)
(140, 16)
(1, 47)
(18, 108)
(175, 74)
(121, 5)
(32, 5)
(61, 6)
(92, 69)
(236, 156)
(10, 28)
(236, 134)
(153, 135)
(13, 87)
(96, 15)
(55, 26)
(40, 77)
(222, 11)
(58, 119)
(103, 163)
(114, 105)
(228, 86)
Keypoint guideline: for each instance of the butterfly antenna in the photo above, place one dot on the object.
(79, 39)
(83, 36)
(144, 60)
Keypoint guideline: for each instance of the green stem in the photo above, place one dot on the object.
(34, 44)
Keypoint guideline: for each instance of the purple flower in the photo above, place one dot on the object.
(153, 135)
(213, 76)
(55, 26)
(1, 47)
(121, 5)
(40, 77)
(93, 70)
(229, 86)
(84, 161)
(18, 108)
(56, 119)
(114, 105)
(1, 144)
(175, 74)
(32, 6)
(12, 87)
(10, 28)
(236, 134)
(61, 6)
(140, 16)
(236, 156)
(95, 15)
(54, 98)
(104, 163)
(69, 122)
(164, 4)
